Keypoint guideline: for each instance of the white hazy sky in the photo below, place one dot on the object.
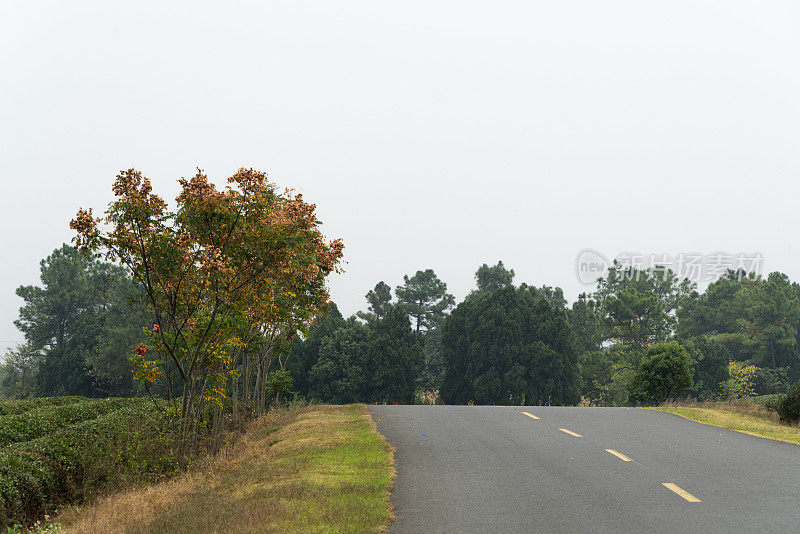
(429, 134)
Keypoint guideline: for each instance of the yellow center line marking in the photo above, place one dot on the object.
(682, 492)
(619, 455)
(570, 432)
(530, 415)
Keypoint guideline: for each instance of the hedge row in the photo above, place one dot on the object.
(12, 407)
(132, 444)
(48, 419)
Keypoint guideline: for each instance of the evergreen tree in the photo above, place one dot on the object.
(750, 319)
(343, 372)
(494, 277)
(597, 373)
(18, 372)
(555, 296)
(431, 378)
(305, 353)
(84, 322)
(425, 298)
(710, 360)
(379, 362)
(509, 346)
(638, 306)
(585, 320)
(398, 358)
(379, 300)
(772, 317)
(716, 311)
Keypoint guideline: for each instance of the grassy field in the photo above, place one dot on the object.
(748, 417)
(317, 469)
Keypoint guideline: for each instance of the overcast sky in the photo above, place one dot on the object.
(429, 134)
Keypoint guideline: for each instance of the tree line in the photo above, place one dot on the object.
(641, 336)
(502, 345)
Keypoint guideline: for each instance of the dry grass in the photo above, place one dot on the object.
(318, 469)
(743, 406)
(749, 418)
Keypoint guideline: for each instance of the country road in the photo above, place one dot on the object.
(557, 469)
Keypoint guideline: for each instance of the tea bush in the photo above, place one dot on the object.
(134, 443)
(38, 422)
(12, 407)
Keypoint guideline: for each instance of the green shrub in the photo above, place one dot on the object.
(48, 419)
(770, 402)
(135, 443)
(666, 369)
(789, 407)
(773, 402)
(771, 381)
(14, 406)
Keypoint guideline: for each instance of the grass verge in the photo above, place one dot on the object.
(317, 469)
(746, 418)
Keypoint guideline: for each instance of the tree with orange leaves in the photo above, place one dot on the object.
(228, 274)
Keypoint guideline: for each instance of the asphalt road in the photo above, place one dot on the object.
(494, 469)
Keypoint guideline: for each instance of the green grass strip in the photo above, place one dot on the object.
(748, 424)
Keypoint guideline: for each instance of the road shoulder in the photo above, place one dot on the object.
(320, 468)
(744, 423)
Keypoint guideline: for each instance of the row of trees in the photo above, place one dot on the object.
(641, 336)
(220, 305)
(741, 320)
(384, 354)
(503, 344)
(85, 321)
(346, 361)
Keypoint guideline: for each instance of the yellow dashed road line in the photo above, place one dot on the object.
(619, 455)
(669, 485)
(682, 492)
